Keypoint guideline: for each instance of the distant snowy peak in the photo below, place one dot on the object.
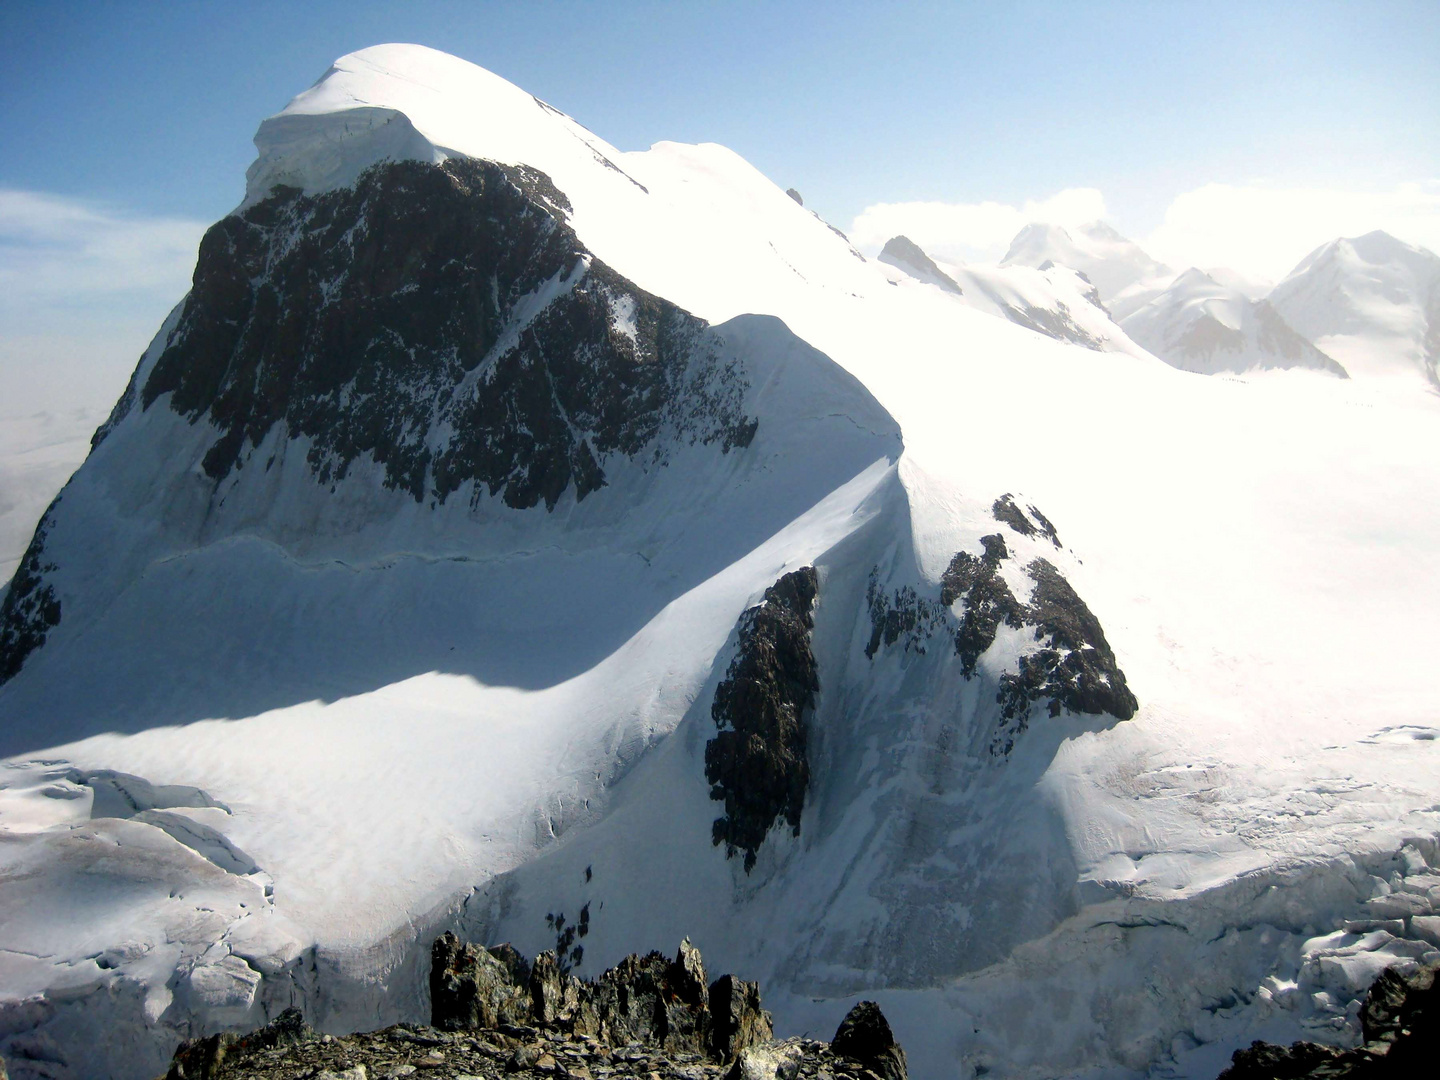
(1374, 301)
(1113, 263)
(1056, 301)
(902, 252)
(1199, 324)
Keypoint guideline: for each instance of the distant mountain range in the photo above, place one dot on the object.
(1367, 308)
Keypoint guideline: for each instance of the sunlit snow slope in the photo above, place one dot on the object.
(401, 590)
(1373, 302)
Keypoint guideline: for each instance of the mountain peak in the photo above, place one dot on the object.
(408, 102)
(902, 252)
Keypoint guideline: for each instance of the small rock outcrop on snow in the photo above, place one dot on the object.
(757, 764)
(1062, 657)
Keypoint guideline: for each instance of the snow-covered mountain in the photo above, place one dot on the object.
(513, 535)
(1372, 302)
(1120, 270)
(1052, 300)
(1198, 321)
(1198, 324)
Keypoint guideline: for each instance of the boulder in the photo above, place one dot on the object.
(737, 1022)
(865, 1036)
(474, 987)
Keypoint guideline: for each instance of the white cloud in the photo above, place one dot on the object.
(1264, 231)
(82, 289)
(961, 232)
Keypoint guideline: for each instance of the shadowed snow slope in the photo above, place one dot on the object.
(399, 593)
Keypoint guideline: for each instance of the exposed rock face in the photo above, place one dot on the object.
(647, 1015)
(905, 614)
(31, 608)
(471, 986)
(1400, 1024)
(445, 320)
(648, 999)
(757, 764)
(795, 195)
(737, 1022)
(1072, 666)
(442, 321)
(1007, 512)
(219, 1055)
(864, 1036)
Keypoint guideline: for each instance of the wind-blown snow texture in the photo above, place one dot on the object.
(354, 646)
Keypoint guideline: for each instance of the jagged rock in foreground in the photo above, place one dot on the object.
(1400, 1025)
(496, 1015)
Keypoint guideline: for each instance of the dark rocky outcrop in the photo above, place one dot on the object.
(1072, 666)
(795, 195)
(757, 763)
(471, 986)
(1007, 512)
(1075, 667)
(901, 615)
(31, 608)
(1400, 1028)
(220, 1055)
(988, 600)
(649, 1015)
(864, 1036)
(446, 321)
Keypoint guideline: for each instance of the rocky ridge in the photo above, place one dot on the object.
(496, 1015)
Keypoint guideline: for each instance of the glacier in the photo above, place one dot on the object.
(297, 715)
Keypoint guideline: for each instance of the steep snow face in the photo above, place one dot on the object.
(347, 719)
(1372, 302)
(1118, 267)
(1198, 324)
(1051, 300)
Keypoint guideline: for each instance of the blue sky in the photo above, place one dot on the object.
(141, 115)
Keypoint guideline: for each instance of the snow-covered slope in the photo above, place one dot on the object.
(1124, 274)
(346, 641)
(1198, 324)
(1372, 302)
(1052, 300)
